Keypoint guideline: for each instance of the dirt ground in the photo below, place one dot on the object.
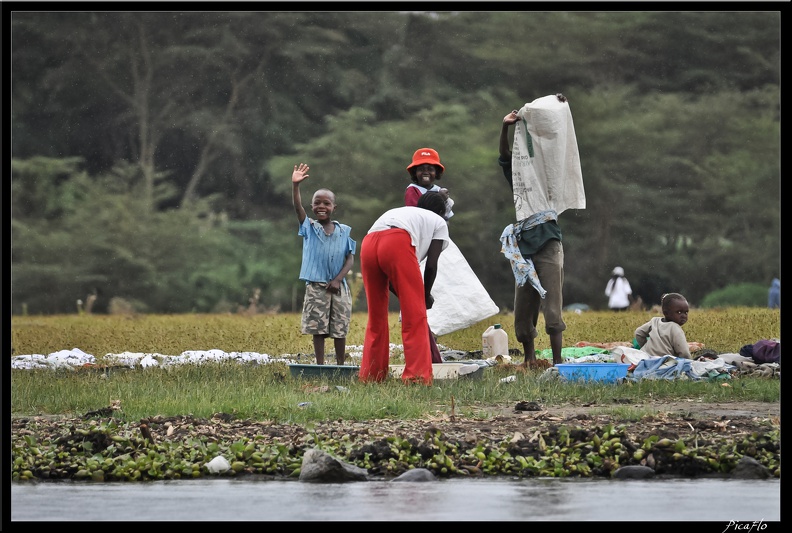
(670, 419)
(684, 409)
(497, 422)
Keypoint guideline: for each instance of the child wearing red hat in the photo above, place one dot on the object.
(457, 287)
(424, 170)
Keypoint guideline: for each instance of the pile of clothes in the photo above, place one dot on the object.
(762, 358)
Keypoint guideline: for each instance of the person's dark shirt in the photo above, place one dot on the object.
(532, 240)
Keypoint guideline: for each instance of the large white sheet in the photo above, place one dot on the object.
(552, 179)
(460, 300)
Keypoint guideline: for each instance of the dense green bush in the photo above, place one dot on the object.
(739, 294)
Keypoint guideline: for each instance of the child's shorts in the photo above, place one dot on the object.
(325, 313)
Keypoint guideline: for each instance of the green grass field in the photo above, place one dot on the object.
(723, 330)
(57, 432)
(270, 392)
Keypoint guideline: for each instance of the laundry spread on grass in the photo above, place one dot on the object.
(76, 358)
(762, 359)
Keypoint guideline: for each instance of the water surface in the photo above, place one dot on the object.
(711, 500)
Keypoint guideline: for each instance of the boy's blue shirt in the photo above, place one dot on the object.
(323, 255)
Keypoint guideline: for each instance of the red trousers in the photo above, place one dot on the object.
(388, 257)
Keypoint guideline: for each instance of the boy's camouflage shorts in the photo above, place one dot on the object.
(325, 313)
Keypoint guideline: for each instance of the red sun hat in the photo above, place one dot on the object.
(423, 156)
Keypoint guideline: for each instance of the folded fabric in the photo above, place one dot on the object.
(763, 351)
(665, 367)
(625, 354)
(669, 368)
(735, 359)
(577, 354)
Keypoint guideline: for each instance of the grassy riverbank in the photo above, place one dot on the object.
(168, 422)
(269, 392)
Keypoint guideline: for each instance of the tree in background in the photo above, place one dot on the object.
(150, 148)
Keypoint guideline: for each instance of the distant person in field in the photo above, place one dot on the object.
(774, 294)
(618, 291)
(327, 256)
(664, 335)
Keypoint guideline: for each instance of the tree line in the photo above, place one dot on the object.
(152, 151)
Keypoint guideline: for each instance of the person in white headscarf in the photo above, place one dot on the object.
(618, 291)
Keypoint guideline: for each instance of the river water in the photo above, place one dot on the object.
(734, 504)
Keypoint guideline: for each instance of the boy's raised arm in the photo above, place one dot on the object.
(300, 173)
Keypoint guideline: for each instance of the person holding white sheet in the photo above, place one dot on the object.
(533, 244)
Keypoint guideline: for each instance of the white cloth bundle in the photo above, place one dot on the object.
(551, 179)
(460, 300)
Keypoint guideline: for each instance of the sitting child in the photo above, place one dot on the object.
(663, 335)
